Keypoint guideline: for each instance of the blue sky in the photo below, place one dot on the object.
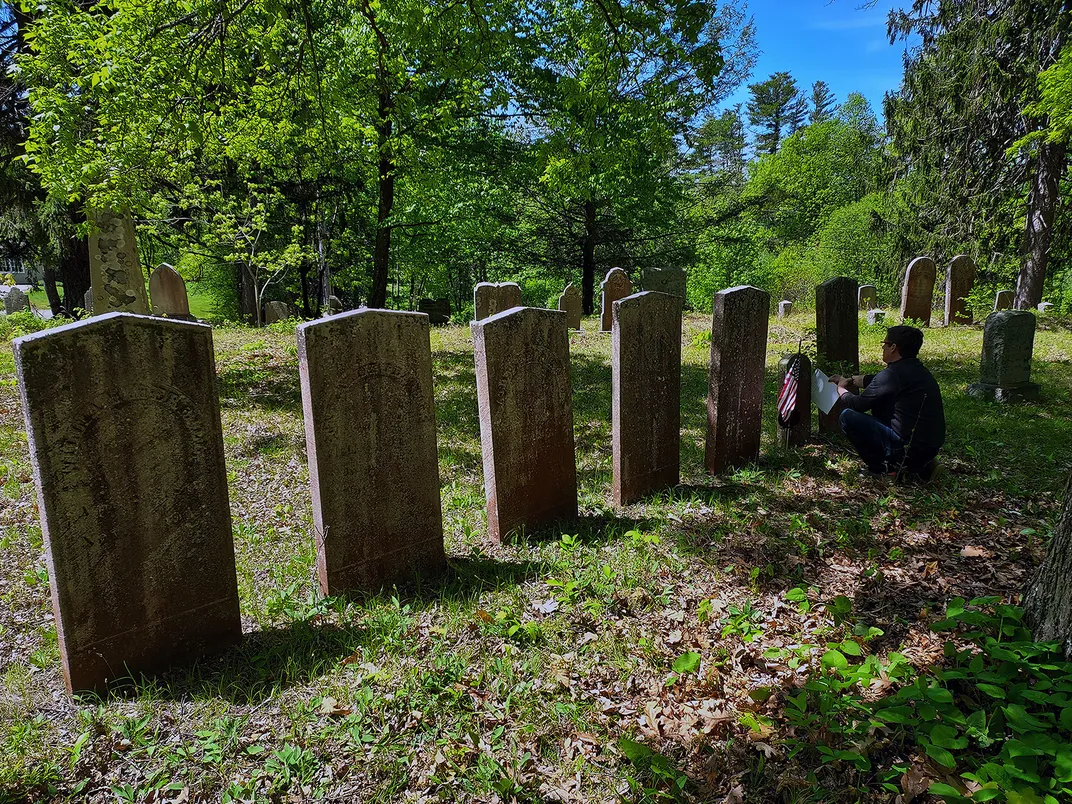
(836, 41)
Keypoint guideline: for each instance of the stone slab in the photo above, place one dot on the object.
(837, 336)
(367, 396)
(1003, 300)
(437, 310)
(525, 401)
(959, 281)
(123, 418)
(615, 286)
(671, 281)
(87, 302)
(785, 308)
(490, 298)
(16, 301)
(1044, 306)
(167, 292)
(917, 294)
(645, 395)
(275, 311)
(800, 432)
(868, 297)
(1008, 341)
(114, 270)
(735, 380)
(569, 302)
(876, 316)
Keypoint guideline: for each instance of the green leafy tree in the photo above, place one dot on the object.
(777, 108)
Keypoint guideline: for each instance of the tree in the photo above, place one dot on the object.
(778, 108)
(1048, 601)
(822, 102)
(719, 146)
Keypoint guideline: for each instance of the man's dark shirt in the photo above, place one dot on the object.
(905, 397)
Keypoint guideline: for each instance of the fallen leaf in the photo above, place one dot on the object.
(547, 607)
(971, 551)
(674, 638)
(330, 707)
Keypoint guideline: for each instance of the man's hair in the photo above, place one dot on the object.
(908, 339)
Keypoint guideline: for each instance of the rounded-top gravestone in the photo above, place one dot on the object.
(917, 296)
(615, 286)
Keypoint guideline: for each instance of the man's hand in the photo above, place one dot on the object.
(858, 380)
(844, 383)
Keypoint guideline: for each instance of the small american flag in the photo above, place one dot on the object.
(787, 397)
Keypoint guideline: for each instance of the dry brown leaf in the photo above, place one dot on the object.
(971, 551)
(331, 708)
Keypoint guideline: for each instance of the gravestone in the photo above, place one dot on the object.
(525, 401)
(800, 432)
(16, 301)
(437, 310)
(87, 302)
(1044, 306)
(490, 298)
(645, 395)
(959, 281)
(1003, 300)
(785, 308)
(615, 286)
(335, 305)
(837, 336)
(876, 316)
(917, 295)
(735, 380)
(123, 418)
(868, 297)
(167, 292)
(665, 280)
(1005, 364)
(367, 396)
(114, 270)
(276, 311)
(570, 303)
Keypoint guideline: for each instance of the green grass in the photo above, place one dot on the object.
(518, 676)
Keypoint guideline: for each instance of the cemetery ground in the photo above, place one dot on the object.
(778, 633)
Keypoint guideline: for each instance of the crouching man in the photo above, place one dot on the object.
(906, 425)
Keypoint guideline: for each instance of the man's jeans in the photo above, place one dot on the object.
(879, 446)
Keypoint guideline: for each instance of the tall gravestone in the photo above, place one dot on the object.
(1003, 300)
(569, 302)
(917, 295)
(785, 308)
(959, 281)
(868, 297)
(367, 395)
(437, 310)
(123, 419)
(645, 395)
(735, 381)
(16, 301)
(114, 270)
(525, 400)
(490, 298)
(167, 292)
(798, 433)
(615, 286)
(1005, 365)
(665, 280)
(87, 302)
(837, 336)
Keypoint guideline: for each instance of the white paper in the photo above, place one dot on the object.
(823, 392)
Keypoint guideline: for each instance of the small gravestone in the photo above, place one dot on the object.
(525, 401)
(16, 301)
(837, 336)
(665, 280)
(335, 305)
(123, 418)
(437, 310)
(367, 396)
(868, 297)
(800, 432)
(114, 270)
(735, 380)
(87, 302)
(1044, 306)
(917, 295)
(615, 286)
(490, 298)
(876, 316)
(569, 302)
(1005, 365)
(167, 292)
(1003, 300)
(645, 395)
(785, 308)
(959, 281)
(275, 311)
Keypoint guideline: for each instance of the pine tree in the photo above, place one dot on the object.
(778, 108)
(822, 102)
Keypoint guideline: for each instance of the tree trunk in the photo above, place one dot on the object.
(1048, 601)
(381, 254)
(1041, 208)
(247, 297)
(74, 269)
(588, 259)
(54, 303)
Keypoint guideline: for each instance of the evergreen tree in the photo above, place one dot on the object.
(778, 108)
(822, 102)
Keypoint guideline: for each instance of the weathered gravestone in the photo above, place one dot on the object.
(569, 302)
(1005, 365)
(615, 286)
(366, 384)
(798, 433)
(785, 308)
(167, 292)
(665, 280)
(437, 310)
(645, 395)
(490, 298)
(868, 297)
(16, 301)
(335, 305)
(917, 295)
(114, 270)
(876, 316)
(1044, 306)
(526, 418)
(959, 281)
(1003, 300)
(123, 419)
(276, 311)
(735, 381)
(837, 336)
(87, 302)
